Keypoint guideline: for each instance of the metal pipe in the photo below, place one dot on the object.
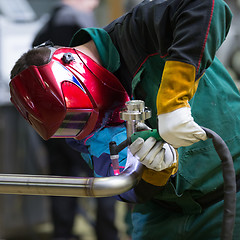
(69, 186)
(81, 187)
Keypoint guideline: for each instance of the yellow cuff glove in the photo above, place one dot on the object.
(160, 158)
(177, 87)
(175, 122)
(159, 178)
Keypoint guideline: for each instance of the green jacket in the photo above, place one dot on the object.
(135, 48)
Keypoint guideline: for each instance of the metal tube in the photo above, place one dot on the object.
(81, 187)
(69, 186)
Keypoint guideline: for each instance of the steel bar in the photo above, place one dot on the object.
(82, 187)
(69, 186)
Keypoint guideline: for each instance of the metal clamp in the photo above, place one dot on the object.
(134, 112)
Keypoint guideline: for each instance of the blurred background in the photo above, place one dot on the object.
(21, 151)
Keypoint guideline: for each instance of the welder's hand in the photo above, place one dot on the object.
(142, 127)
(155, 155)
(179, 129)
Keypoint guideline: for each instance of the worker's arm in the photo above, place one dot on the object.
(153, 179)
(184, 31)
(186, 35)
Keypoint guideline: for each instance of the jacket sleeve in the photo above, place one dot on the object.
(189, 31)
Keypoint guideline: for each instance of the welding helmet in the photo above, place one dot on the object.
(69, 97)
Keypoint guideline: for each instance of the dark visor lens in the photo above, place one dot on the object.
(73, 124)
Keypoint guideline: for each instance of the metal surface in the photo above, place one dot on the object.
(134, 112)
(81, 187)
(67, 186)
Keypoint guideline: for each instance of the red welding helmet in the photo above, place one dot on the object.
(70, 96)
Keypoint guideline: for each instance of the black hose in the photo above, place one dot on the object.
(229, 178)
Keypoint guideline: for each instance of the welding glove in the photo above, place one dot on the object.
(156, 155)
(175, 122)
(131, 160)
(160, 159)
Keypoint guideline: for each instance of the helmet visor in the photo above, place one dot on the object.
(73, 124)
(80, 115)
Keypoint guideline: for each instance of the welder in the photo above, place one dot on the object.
(162, 52)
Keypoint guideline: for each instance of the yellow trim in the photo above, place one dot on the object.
(177, 87)
(159, 178)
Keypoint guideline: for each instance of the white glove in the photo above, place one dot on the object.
(179, 129)
(155, 155)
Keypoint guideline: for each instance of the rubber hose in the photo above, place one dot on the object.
(229, 178)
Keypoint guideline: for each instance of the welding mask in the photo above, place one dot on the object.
(69, 97)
